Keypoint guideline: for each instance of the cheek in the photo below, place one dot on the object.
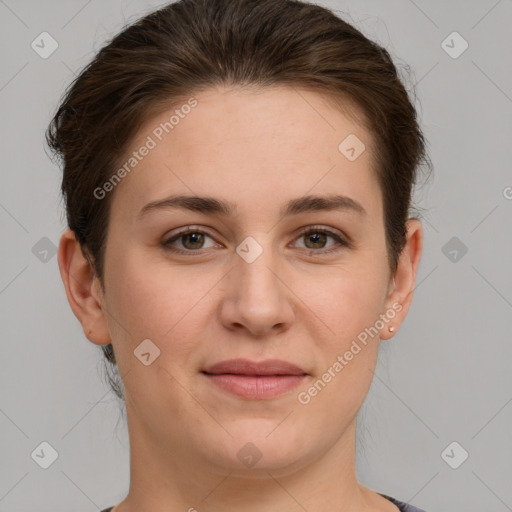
(151, 300)
(347, 302)
(349, 307)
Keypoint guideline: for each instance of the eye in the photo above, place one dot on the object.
(317, 236)
(192, 240)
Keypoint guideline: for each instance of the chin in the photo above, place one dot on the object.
(256, 447)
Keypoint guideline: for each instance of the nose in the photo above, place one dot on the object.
(257, 296)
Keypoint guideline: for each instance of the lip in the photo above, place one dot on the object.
(248, 367)
(254, 380)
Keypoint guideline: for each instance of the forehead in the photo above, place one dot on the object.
(251, 146)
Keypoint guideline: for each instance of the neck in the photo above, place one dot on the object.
(166, 478)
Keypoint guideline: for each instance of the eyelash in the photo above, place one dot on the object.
(312, 229)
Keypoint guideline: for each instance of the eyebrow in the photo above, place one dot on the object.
(212, 206)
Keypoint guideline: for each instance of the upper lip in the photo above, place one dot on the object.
(247, 367)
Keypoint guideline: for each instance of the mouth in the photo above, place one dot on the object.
(255, 380)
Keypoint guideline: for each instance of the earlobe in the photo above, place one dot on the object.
(80, 281)
(401, 294)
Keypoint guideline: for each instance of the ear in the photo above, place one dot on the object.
(83, 289)
(401, 292)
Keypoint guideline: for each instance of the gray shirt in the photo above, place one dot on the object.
(404, 507)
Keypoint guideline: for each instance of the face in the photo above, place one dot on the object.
(256, 283)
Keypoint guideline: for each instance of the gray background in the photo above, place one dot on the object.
(444, 377)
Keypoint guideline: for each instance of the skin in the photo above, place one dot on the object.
(257, 149)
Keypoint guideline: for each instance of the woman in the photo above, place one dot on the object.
(238, 178)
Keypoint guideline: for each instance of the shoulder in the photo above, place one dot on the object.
(404, 507)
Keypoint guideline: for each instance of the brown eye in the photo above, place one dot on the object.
(191, 240)
(196, 240)
(317, 238)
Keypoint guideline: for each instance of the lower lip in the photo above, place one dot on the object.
(256, 387)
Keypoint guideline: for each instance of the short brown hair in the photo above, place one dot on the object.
(191, 45)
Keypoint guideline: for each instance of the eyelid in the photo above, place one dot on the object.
(325, 229)
(343, 240)
(184, 231)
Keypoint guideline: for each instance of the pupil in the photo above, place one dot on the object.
(315, 237)
(195, 238)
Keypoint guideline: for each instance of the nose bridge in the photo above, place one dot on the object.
(256, 265)
(258, 299)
